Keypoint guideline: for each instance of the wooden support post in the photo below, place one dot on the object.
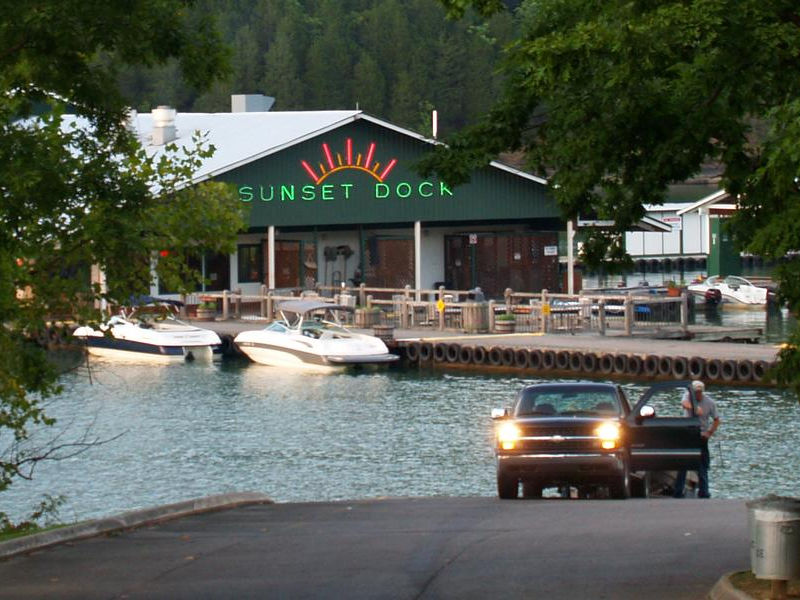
(628, 305)
(225, 305)
(237, 306)
(264, 312)
(545, 312)
(362, 294)
(601, 313)
(508, 296)
(684, 311)
(491, 316)
(270, 307)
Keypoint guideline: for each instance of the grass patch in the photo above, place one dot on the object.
(760, 588)
(12, 535)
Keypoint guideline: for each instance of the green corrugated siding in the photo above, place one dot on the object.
(492, 194)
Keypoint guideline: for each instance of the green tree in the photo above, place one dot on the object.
(76, 196)
(615, 100)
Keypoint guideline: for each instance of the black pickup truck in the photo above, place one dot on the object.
(587, 435)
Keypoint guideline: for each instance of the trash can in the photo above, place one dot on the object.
(475, 317)
(774, 525)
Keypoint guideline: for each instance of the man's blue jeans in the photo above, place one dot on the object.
(702, 475)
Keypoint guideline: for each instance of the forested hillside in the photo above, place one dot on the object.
(394, 59)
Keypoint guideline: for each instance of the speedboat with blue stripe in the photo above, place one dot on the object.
(162, 339)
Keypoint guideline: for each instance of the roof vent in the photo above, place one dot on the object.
(251, 103)
(163, 125)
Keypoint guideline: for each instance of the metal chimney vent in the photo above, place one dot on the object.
(163, 125)
(251, 103)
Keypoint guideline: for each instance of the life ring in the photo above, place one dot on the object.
(521, 358)
(507, 357)
(562, 360)
(412, 352)
(744, 370)
(680, 367)
(575, 361)
(665, 366)
(479, 355)
(589, 362)
(728, 371)
(697, 367)
(535, 359)
(452, 352)
(650, 365)
(495, 356)
(440, 352)
(606, 364)
(634, 364)
(466, 355)
(425, 352)
(620, 363)
(548, 360)
(760, 368)
(713, 368)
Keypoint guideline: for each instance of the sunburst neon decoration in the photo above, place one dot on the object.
(361, 163)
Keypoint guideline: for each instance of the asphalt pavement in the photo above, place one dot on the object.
(400, 548)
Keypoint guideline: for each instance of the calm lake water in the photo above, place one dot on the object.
(190, 430)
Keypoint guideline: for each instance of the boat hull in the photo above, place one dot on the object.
(128, 351)
(277, 356)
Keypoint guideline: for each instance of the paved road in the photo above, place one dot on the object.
(405, 548)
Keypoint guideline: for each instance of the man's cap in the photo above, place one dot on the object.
(698, 385)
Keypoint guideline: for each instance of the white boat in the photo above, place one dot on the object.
(730, 290)
(151, 337)
(309, 335)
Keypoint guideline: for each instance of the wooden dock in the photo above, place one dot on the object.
(581, 355)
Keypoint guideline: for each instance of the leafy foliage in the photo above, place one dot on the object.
(614, 100)
(81, 192)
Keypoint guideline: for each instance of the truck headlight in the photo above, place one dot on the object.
(608, 433)
(508, 435)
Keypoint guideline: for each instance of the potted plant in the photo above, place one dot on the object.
(206, 311)
(367, 317)
(505, 323)
(673, 289)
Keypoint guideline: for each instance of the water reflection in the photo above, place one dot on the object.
(195, 429)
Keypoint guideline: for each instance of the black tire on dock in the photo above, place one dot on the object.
(548, 360)
(760, 368)
(412, 351)
(535, 359)
(620, 364)
(680, 367)
(728, 371)
(479, 355)
(606, 364)
(521, 358)
(697, 367)
(665, 366)
(650, 365)
(713, 368)
(425, 352)
(453, 351)
(589, 362)
(634, 364)
(576, 361)
(507, 357)
(440, 352)
(495, 356)
(744, 370)
(466, 355)
(562, 360)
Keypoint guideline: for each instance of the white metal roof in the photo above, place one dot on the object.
(711, 199)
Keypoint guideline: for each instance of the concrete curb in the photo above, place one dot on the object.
(724, 590)
(128, 520)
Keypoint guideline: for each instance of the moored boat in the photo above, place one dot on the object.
(150, 337)
(309, 335)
